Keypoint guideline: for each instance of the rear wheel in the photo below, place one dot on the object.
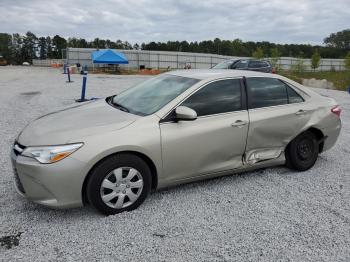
(119, 183)
(302, 152)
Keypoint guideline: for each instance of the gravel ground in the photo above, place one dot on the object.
(266, 215)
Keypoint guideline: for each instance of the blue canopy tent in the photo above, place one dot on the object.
(108, 56)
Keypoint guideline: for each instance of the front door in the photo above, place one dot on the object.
(215, 141)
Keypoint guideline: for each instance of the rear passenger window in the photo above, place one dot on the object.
(264, 64)
(255, 64)
(293, 97)
(265, 92)
(217, 97)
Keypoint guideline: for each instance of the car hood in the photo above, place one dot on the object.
(72, 124)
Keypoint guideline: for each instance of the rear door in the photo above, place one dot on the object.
(277, 114)
(215, 141)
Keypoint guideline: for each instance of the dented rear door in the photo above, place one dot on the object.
(277, 114)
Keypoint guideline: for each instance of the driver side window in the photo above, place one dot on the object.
(218, 97)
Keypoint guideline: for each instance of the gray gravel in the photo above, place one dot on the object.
(266, 215)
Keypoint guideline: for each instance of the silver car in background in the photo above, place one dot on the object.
(178, 127)
(246, 64)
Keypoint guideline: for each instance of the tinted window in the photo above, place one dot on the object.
(265, 91)
(241, 65)
(217, 97)
(293, 97)
(257, 64)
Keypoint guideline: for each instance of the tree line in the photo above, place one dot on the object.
(17, 48)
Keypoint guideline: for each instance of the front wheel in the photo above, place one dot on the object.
(119, 183)
(302, 152)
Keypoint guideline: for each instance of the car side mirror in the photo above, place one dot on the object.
(184, 113)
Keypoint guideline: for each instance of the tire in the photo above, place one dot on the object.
(119, 183)
(302, 152)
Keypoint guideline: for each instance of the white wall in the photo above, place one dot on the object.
(177, 60)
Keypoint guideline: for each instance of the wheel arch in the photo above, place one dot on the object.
(144, 157)
(318, 134)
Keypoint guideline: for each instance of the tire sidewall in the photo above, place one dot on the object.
(293, 159)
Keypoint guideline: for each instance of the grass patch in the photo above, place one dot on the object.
(340, 79)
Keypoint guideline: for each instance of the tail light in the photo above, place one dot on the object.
(336, 110)
(274, 71)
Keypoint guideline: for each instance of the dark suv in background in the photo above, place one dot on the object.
(246, 64)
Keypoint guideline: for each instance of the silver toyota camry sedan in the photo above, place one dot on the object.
(178, 127)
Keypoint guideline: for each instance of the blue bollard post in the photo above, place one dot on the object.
(83, 89)
(64, 69)
(68, 73)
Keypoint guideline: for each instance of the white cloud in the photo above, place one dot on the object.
(297, 21)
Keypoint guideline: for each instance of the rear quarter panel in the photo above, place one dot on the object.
(324, 120)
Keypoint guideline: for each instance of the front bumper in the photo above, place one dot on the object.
(57, 185)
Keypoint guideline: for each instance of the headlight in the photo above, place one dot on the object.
(50, 154)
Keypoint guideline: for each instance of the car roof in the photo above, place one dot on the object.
(245, 59)
(203, 74)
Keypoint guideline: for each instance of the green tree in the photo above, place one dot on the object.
(49, 47)
(298, 65)
(29, 47)
(238, 47)
(73, 42)
(18, 48)
(42, 46)
(347, 61)
(127, 45)
(58, 44)
(5, 46)
(99, 43)
(110, 44)
(258, 53)
(16, 54)
(217, 45)
(339, 40)
(315, 60)
(275, 56)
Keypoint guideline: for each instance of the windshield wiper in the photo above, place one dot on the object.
(122, 108)
(119, 106)
(110, 101)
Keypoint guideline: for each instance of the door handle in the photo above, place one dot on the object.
(301, 112)
(239, 123)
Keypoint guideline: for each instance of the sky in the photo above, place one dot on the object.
(137, 21)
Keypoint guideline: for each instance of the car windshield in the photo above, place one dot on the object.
(150, 96)
(223, 65)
